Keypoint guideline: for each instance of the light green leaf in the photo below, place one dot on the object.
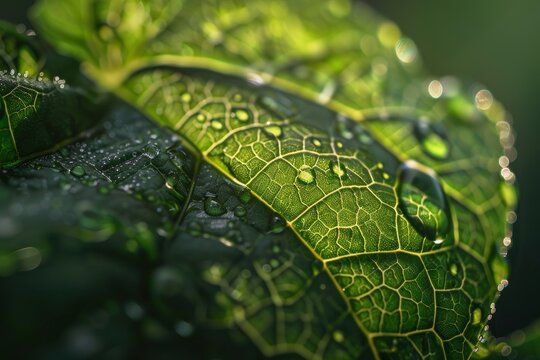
(387, 181)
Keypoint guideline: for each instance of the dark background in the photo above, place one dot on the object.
(497, 43)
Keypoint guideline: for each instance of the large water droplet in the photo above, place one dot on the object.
(422, 200)
(432, 138)
(306, 174)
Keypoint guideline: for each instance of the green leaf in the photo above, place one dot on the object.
(376, 209)
(37, 114)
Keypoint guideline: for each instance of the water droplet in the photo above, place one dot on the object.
(316, 142)
(406, 50)
(461, 108)
(200, 118)
(338, 336)
(241, 115)
(432, 138)
(508, 194)
(186, 97)
(483, 99)
(183, 328)
(454, 269)
(435, 89)
(422, 200)
(217, 125)
(273, 130)
(78, 171)
(277, 225)
(475, 349)
(477, 316)
(245, 196)
(29, 258)
(337, 169)
(213, 208)
(240, 211)
(306, 174)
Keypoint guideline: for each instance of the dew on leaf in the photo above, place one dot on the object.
(422, 200)
(213, 208)
(277, 225)
(241, 115)
(78, 171)
(316, 142)
(245, 196)
(406, 50)
(477, 316)
(240, 211)
(216, 125)
(306, 175)
(454, 269)
(432, 139)
(338, 337)
(273, 130)
(200, 117)
(337, 169)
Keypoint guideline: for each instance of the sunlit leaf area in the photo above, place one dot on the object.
(234, 179)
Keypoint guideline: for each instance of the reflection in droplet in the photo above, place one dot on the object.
(422, 200)
(432, 138)
(306, 174)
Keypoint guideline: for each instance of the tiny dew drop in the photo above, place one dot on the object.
(186, 97)
(306, 175)
(241, 115)
(453, 269)
(338, 336)
(183, 328)
(433, 139)
(78, 171)
(316, 142)
(273, 130)
(277, 225)
(337, 169)
(216, 125)
(477, 316)
(240, 211)
(200, 117)
(422, 200)
(245, 196)
(213, 208)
